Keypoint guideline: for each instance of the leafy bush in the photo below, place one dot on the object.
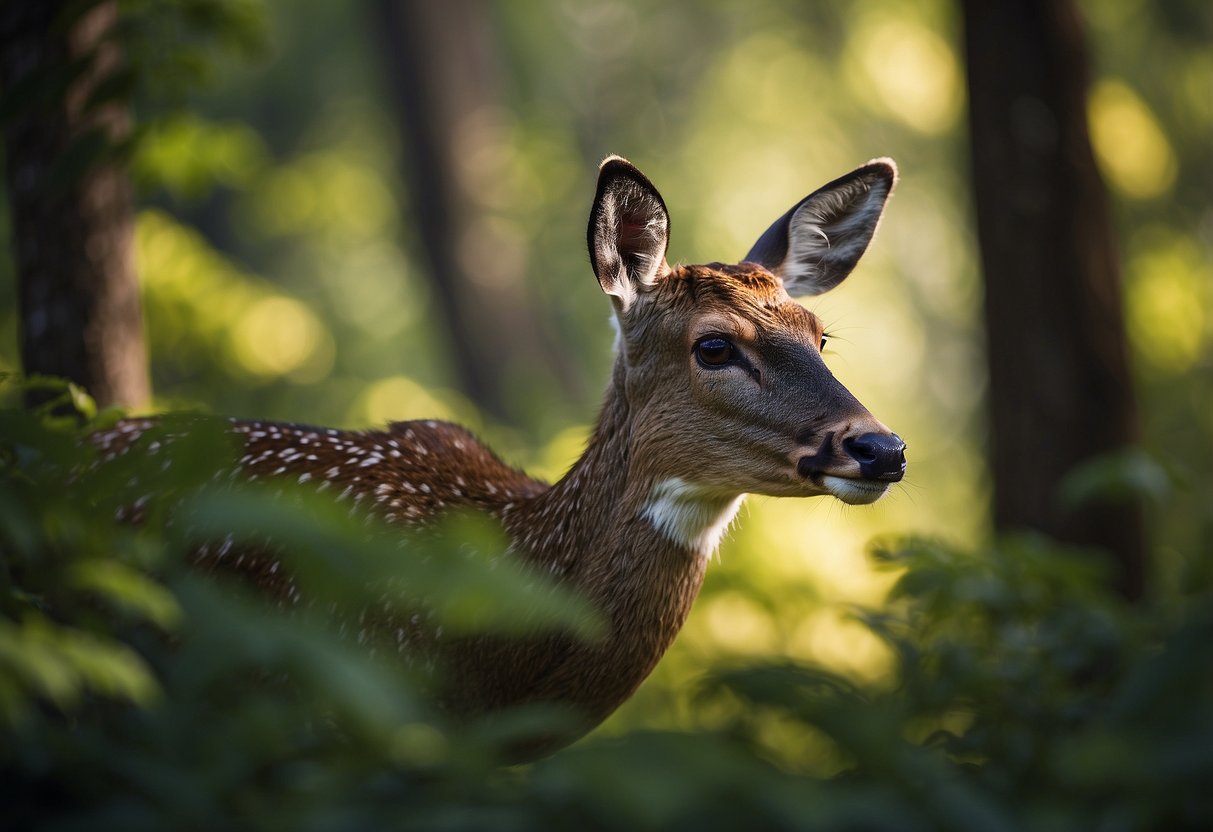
(137, 693)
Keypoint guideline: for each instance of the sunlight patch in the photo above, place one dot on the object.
(1133, 152)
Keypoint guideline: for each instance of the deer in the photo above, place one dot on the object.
(718, 390)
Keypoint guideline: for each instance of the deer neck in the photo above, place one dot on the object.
(612, 510)
(634, 542)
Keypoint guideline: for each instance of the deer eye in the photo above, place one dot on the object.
(714, 351)
(822, 346)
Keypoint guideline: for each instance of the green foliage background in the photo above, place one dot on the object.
(963, 684)
(136, 693)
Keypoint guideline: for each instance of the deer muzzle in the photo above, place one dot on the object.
(857, 470)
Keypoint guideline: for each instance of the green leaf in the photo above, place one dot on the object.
(459, 571)
(128, 589)
(62, 663)
(1116, 477)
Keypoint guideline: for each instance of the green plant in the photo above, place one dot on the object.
(138, 693)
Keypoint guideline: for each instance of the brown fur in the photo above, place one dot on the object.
(632, 523)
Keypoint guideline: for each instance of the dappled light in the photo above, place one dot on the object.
(202, 305)
(738, 625)
(279, 336)
(399, 399)
(1131, 148)
(324, 193)
(369, 287)
(956, 678)
(905, 70)
(189, 156)
(1170, 294)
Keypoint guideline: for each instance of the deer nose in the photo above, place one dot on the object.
(881, 456)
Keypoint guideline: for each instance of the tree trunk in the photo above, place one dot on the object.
(441, 72)
(70, 199)
(1060, 389)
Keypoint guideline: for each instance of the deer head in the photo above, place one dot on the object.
(722, 369)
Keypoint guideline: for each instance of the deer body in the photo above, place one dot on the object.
(718, 390)
(641, 576)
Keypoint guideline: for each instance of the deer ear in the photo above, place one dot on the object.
(814, 246)
(629, 231)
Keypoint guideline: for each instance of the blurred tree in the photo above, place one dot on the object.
(1060, 391)
(442, 72)
(64, 86)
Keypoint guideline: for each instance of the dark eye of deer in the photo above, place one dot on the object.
(714, 352)
(822, 346)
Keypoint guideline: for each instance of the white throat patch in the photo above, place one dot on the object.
(691, 515)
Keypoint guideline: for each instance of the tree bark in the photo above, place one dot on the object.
(1060, 387)
(441, 72)
(71, 199)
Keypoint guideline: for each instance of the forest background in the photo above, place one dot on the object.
(352, 213)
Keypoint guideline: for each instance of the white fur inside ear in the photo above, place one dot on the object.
(829, 233)
(630, 243)
(644, 261)
(691, 515)
(623, 291)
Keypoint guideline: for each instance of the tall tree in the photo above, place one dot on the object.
(70, 198)
(442, 78)
(1060, 388)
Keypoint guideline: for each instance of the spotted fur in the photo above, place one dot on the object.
(676, 447)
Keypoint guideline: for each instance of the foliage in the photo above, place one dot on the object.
(173, 47)
(136, 693)
(278, 262)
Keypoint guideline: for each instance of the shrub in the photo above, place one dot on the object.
(137, 693)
